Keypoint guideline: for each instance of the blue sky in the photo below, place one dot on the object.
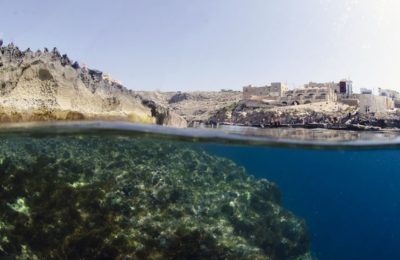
(214, 44)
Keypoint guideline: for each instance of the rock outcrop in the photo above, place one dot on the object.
(194, 107)
(178, 97)
(317, 114)
(91, 197)
(45, 85)
(331, 115)
(163, 115)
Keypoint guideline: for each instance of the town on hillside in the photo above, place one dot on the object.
(278, 94)
(332, 105)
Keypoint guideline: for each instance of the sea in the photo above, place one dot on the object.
(112, 190)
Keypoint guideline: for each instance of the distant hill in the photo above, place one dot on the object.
(45, 85)
(195, 107)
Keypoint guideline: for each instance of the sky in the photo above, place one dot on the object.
(216, 44)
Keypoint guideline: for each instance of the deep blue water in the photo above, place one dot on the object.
(349, 199)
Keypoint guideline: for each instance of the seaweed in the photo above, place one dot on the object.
(112, 197)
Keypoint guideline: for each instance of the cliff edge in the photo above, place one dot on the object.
(45, 85)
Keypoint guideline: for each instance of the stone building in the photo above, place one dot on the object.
(343, 89)
(331, 85)
(366, 91)
(369, 103)
(307, 95)
(271, 92)
(392, 94)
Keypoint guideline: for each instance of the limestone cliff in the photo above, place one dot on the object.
(45, 85)
(195, 107)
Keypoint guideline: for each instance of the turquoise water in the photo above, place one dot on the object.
(112, 190)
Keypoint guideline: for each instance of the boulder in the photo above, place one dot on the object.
(164, 116)
(178, 97)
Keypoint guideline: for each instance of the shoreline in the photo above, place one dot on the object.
(352, 127)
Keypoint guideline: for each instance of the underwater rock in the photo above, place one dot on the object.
(78, 197)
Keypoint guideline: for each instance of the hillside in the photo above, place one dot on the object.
(45, 85)
(196, 106)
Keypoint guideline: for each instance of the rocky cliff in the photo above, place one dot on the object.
(195, 107)
(45, 85)
(331, 113)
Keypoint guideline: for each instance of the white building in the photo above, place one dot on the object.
(393, 94)
(369, 103)
(307, 95)
(343, 89)
(272, 92)
(366, 91)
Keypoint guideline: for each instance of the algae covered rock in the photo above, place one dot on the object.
(78, 197)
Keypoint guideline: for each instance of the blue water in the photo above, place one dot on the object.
(349, 199)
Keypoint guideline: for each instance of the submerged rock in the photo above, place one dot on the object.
(75, 197)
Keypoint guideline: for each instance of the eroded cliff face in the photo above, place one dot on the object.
(49, 86)
(194, 107)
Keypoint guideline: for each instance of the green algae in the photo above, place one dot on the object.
(109, 197)
(20, 206)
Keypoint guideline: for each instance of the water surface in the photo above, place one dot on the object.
(122, 190)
